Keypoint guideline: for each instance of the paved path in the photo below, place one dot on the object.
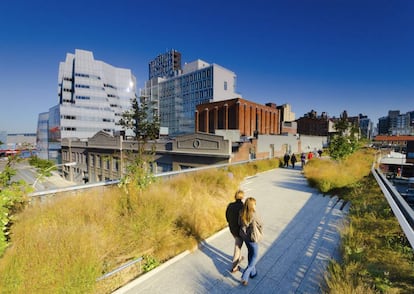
(301, 236)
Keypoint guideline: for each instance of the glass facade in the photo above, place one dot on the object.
(42, 135)
(92, 97)
(165, 65)
(396, 123)
(174, 98)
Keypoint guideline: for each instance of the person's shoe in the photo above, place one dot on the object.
(253, 276)
(244, 283)
(235, 269)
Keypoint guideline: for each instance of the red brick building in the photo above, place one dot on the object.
(238, 114)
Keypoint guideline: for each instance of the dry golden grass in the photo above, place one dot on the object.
(327, 175)
(346, 279)
(64, 245)
(376, 256)
(51, 245)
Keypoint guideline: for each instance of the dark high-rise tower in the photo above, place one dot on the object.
(165, 65)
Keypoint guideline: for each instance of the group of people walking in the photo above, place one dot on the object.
(303, 158)
(246, 227)
(292, 158)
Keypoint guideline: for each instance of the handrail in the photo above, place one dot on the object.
(114, 182)
(107, 275)
(403, 212)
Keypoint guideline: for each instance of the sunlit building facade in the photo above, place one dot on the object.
(250, 118)
(92, 97)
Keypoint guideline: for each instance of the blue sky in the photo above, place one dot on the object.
(326, 55)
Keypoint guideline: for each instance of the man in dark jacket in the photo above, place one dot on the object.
(286, 159)
(293, 160)
(232, 217)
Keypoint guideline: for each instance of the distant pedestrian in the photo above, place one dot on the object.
(251, 232)
(320, 152)
(293, 160)
(286, 159)
(232, 216)
(303, 159)
(310, 155)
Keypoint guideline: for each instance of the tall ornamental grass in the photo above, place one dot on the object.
(65, 244)
(376, 255)
(328, 175)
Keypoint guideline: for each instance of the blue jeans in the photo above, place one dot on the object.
(252, 254)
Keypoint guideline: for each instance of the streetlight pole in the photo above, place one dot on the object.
(50, 168)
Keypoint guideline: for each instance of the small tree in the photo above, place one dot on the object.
(6, 175)
(345, 141)
(12, 200)
(145, 126)
(44, 166)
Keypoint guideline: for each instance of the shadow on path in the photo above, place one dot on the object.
(301, 236)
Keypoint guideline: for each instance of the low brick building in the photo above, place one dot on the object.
(250, 118)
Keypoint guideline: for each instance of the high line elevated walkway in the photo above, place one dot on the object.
(301, 235)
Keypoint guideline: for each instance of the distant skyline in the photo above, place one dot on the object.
(322, 55)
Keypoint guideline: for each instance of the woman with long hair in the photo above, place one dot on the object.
(232, 216)
(249, 219)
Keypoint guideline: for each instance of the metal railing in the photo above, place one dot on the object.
(124, 266)
(401, 209)
(76, 188)
(114, 182)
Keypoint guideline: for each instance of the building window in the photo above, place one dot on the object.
(225, 86)
(68, 117)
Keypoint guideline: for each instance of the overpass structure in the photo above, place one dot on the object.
(301, 236)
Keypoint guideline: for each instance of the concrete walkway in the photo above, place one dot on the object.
(301, 236)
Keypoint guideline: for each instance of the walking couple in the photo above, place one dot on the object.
(245, 226)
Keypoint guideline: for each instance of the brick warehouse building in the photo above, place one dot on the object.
(238, 114)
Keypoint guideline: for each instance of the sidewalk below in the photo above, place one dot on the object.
(301, 236)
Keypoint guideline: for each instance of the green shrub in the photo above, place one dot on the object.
(12, 201)
(150, 263)
(43, 166)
